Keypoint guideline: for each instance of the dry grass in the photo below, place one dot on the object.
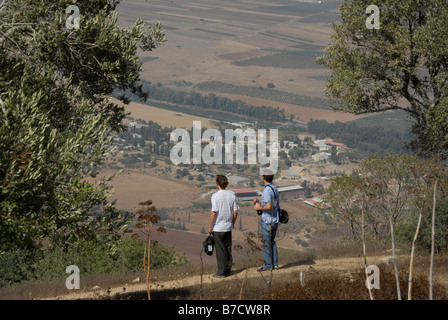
(316, 286)
(324, 280)
(332, 250)
(56, 287)
(351, 286)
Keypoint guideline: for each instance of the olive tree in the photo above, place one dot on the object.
(399, 64)
(57, 117)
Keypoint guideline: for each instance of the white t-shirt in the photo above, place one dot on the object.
(224, 204)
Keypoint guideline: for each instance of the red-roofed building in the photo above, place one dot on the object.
(336, 144)
(244, 193)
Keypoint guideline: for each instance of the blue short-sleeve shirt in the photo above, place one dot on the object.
(270, 216)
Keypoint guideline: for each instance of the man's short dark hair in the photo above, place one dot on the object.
(268, 177)
(222, 181)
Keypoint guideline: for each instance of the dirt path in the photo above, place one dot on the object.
(325, 265)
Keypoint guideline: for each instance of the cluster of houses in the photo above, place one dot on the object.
(292, 173)
(325, 146)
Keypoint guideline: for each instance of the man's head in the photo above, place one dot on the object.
(222, 181)
(268, 178)
(268, 175)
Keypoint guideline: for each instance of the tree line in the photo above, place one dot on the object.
(373, 140)
(212, 101)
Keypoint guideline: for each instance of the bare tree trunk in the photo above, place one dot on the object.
(364, 251)
(397, 278)
(149, 263)
(2, 106)
(3, 4)
(411, 265)
(144, 256)
(433, 229)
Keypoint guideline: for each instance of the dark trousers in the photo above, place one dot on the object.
(223, 246)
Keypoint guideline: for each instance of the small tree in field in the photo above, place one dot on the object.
(386, 193)
(146, 220)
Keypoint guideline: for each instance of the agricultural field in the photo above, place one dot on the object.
(244, 44)
(287, 60)
(262, 53)
(267, 94)
(165, 118)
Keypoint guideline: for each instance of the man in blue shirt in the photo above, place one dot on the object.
(269, 222)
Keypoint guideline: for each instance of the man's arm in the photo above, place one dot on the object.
(212, 219)
(235, 215)
(266, 199)
(266, 207)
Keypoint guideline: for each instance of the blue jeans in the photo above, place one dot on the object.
(269, 246)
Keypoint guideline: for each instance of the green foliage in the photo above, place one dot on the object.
(266, 93)
(406, 230)
(401, 65)
(164, 256)
(372, 140)
(288, 59)
(200, 205)
(91, 258)
(301, 242)
(392, 190)
(23, 265)
(56, 119)
(16, 266)
(215, 104)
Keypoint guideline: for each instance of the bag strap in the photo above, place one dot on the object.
(275, 197)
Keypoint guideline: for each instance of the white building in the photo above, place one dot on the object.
(321, 156)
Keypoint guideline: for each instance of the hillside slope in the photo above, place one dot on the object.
(289, 272)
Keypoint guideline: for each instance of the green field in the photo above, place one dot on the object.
(266, 93)
(289, 60)
(396, 120)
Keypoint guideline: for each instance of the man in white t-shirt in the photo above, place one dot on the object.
(222, 220)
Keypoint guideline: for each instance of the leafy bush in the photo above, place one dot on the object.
(15, 266)
(164, 256)
(22, 265)
(405, 231)
(90, 258)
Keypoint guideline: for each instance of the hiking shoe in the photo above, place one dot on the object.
(264, 269)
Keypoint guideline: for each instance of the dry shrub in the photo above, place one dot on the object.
(351, 286)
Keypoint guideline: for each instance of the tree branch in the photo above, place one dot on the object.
(3, 4)
(2, 105)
